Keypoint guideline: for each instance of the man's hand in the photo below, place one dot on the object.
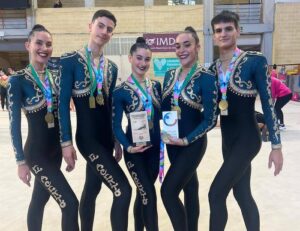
(277, 159)
(70, 157)
(24, 173)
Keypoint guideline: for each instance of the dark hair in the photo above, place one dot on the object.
(140, 43)
(274, 66)
(37, 28)
(192, 31)
(104, 13)
(226, 16)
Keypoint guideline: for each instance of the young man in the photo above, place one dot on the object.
(241, 75)
(89, 78)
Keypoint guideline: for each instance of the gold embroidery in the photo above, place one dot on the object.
(82, 86)
(38, 102)
(215, 115)
(236, 84)
(136, 104)
(168, 88)
(107, 76)
(189, 97)
(155, 95)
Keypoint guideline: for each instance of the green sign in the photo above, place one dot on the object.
(162, 65)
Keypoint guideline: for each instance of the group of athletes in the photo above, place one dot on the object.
(228, 88)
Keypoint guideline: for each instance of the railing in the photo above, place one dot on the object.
(249, 13)
(13, 19)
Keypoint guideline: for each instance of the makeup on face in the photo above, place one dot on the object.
(40, 47)
(186, 49)
(140, 61)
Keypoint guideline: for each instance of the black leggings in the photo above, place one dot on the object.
(182, 176)
(50, 181)
(280, 103)
(92, 187)
(3, 93)
(102, 167)
(143, 168)
(240, 143)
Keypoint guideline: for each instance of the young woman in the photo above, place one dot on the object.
(139, 93)
(192, 92)
(34, 89)
(281, 95)
(241, 76)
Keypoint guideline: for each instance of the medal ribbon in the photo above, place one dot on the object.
(161, 161)
(178, 87)
(144, 95)
(45, 87)
(96, 82)
(224, 78)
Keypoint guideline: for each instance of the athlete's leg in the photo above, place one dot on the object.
(55, 184)
(179, 174)
(235, 164)
(242, 193)
(111, 174)
(142, 177)
(37, 204)
(92, 187)
(191, 202)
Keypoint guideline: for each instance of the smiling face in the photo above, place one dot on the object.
(225, 35)
(39, 47)
(101, 30)
(140, 62)
(186, 49)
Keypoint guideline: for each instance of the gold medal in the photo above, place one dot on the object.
(178, 109)
(100, 99)
(150, 123)
(223, 105)
(49, 118)
(92, 102)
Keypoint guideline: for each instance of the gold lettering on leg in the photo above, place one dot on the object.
(93, 157)
(36, 169)
(109, 179)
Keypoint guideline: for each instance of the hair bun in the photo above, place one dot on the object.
(140, 40)
(190, 29)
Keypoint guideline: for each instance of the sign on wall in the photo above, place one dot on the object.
(162, 65)
(161, 42)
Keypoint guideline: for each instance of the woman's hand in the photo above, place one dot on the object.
(24, 173)
(118, 151)
(138, 149)
(176, 141)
